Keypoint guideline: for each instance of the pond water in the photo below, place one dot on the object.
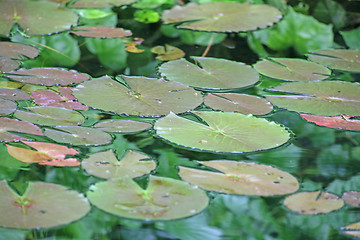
(195, 132)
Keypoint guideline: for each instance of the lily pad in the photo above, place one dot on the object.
(122, 126)
(7, 107)
(222, 132)
(241, 178)
(214, 73)
(106, 165)
(340, 122)
(168, 52)
(50, 116)
(13, 94)
(352, 229)
(143, 97)
(291, 69)
(43, 205)
(17, 50)
(101, 32)
(47, 76)
(340, 59)
(100, 3)
(325, 98)
(78, 135)
(164, 198)
(8, 128)
(241, 103)
(7, 64)
(352, 198)
(222, 16)
(35, 17)
(309, 203)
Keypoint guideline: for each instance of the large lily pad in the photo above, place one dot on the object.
(122, 126)
(144, 97)
(17, 50)
(164, 198)
(106, 165)
(340, 122)
(101, 32)
(35, 17)
(13, 94)
(214, 73)
(291, 69)
(222, 16)
(241, 178)
(43, 205)
(7, 107)
(325, 98)
(224, 132)
(7, 64)
(8, 128)
(100, 3)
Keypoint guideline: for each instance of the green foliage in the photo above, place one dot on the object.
(351, 38)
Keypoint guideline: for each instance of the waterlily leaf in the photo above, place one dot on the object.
(13, 94)
(241, 178)
(352, 229)
(78, 135)
(7, 64)
(291, 69)
(43, 205)
(352, 198)
(168, 52)
(106, 165)
(35, 17)
(17, 50)
(340, 122)
(325, 98)
(122, 126)
(214, 73)
(7, 107)
(164, 198)
(50, 116)
(132, 47)
(224, 132)
(8, 126)
(241, 103)
(47, 76)
(222, 16)
(100, 3)
(340, 59)
(144, 97)
(101, 32)
(310, 203)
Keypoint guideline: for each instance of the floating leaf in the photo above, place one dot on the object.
(224, 132)
(13, 94)
(35, 17)
(214, 73)
(291, 69)
(340, 59)
(223, 16)
(164, 198)
(310, 203)
(168, 52)
(352, 198)
(122, 126)
(106, 165)
(100, 3)
(101, 32)
(144, 97)
(241, 178)
(132, 47)
(7, 64)
(340, 122)
(43, 205)
(242, 103)
(326, 98)
(352, 229)
(7, 107)
(17, 50)
(8, 126)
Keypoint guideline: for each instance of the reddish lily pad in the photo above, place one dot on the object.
(17, 50)
(309, 203)
(7, 64)
(164, 198)
(35, 17)
(352, 229)
(222, 16)
(100, 3)
(122, 126)
(352, 198)
(43, 205)
(168, 52)
(241, 178)
(7, 107)
(340, 122)
(48, 76)
(101, 32)
(8, 126)
(13, 94)
(241, 103)
(106, 165)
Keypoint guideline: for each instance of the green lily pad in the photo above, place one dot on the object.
(13, 94)
(100, 3)
(7, 64)
(17, 50)
(43, 205)
(122, 126)
(78, 135)
(224, 132)
(222, 16)
(309, 203)
(8, 128)
(291, 69)
(7, 107)
(340, 122)
(143, 97)
(50, 116)
(241, 178)
(101, 32)
(106, 165)
(241, 103)
(340, 59)
(325, 98)
(352, 229)
(164, 198)
(214, 73)
(352, 198)
(47, 76)
(35, 17)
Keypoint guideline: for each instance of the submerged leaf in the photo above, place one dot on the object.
(340, 122)
(122, 126)
(168, 52)
(17, 50)
(101, 32)
(9, 126)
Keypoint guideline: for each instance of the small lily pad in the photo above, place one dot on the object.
(352, 198)
(101, 32)
(340, 122)
(241, 178)
(7, 107)
(352, 229)
(214, 73)
(168, 52)
(7, 64)
(8, 128)
(13, 94)
(106, 165)
(122, 126)
(100, 3)
(164, 198)
(17, 50)
(310, 203)
(43, 205)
